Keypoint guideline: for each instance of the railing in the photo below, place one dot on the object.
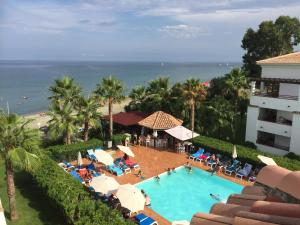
(271, 143)
(276, 95)
(272, 120)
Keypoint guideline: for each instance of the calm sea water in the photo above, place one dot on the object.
(33, 78)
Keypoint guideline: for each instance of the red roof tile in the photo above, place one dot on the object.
(127, 118)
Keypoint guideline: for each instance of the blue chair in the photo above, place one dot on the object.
(76, 176)
(233, 167)
(142, 219)
(245, 171)
(196, 154)
(120, 162)
(115, 170)
(91, 166)
(91, 155)
(69, 165)
(98, 148)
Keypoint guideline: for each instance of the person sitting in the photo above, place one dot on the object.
(215, 197)
(140, 175)
(169, 171)
(173, 170)
(157, 178)
(217, 167)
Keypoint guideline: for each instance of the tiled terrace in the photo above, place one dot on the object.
(153, 162)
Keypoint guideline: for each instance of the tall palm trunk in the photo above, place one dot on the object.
(11, 190)
(110, 106)
(193, 117)
(86, 131)
(68, 138)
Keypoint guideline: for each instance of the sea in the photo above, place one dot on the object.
(24, 84)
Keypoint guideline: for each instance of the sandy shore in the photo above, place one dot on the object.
(41, 119)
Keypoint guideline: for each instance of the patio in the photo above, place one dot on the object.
(153, 162)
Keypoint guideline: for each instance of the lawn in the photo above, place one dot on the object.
(33, 207)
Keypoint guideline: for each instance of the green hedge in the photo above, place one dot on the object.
(72, 198)
(70, 152)
(245, 154)
(118, 138)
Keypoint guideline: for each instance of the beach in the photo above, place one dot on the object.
(41, 119)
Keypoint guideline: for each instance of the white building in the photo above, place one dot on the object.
(273, 118)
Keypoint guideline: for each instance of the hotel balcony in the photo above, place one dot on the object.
(274, 128)
(273, 143)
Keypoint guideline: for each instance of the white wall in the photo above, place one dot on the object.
(275, 103)
(252, 116)
(270, 149)
(281, 71)
(295, 137)
(289, 89)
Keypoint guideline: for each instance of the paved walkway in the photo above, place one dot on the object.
(154, 162)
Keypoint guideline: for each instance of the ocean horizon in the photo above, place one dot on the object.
(24, 84)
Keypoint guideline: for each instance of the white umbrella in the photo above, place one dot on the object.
(181, 133)
(104, 184)
(234, 153)
(267, 160)
(103, 157)
(79, 159)
(126, 150)
(131, 197)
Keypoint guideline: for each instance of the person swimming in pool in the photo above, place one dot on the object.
(215, 197)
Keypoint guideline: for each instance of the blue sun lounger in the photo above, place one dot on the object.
(115, 170)
(76, 176)
(245, 171)
(197, 154)
(142, 219)
(233, 167)
(91, 155)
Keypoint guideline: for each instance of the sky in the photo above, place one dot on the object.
(132, 30)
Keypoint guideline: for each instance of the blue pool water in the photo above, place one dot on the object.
(182, 194)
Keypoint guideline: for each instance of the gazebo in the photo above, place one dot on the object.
(158, 121)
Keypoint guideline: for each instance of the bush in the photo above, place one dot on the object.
(69, 152)
(118, 138)
(245, 154)
(72, 198)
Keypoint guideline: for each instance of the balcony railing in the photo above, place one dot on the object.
(282, 121)
(271, 143)
(276, 95)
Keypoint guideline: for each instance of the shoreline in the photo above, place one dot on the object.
(40, 119)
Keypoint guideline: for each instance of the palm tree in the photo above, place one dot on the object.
(111, 89)
(88, 114)
(194, 92)
(63, 121)
(158, 94)
(64, 90)
(17, 147)
(137, 95)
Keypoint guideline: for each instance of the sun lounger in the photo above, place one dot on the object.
(91, 154)
(196, 154)
(245, 171)
(91, 167)
(131, 164)
(233, 167)
(98, 148)
(203, 157)
(76, 176)
(115, 170)
(142, 219)
(210, 162)
(68, 165)
(121, 163)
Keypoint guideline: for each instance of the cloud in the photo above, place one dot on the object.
(182, 31)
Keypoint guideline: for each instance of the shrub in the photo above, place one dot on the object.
(69, 152)
(245, 154)
(118, 138)
(71, 197)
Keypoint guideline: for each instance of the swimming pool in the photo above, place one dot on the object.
(182, 194)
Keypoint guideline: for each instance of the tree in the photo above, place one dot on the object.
(111, 89)
(137, 96)
(194, 92)
(17, 147)
(63, 121)
(64, 90)
(88, 115)
(271, 39)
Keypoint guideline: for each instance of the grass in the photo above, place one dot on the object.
(33, 207)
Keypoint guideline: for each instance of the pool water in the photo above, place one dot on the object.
(182, 194)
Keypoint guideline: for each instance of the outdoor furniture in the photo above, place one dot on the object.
(196, 154)
(132, 164)
(68, 165)
(114, 170)
(121, 163)
(142, 219)
(245, 171)
(203, 157)
(210, 162)
(76, 176)
(233, 167)
(91, 154)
